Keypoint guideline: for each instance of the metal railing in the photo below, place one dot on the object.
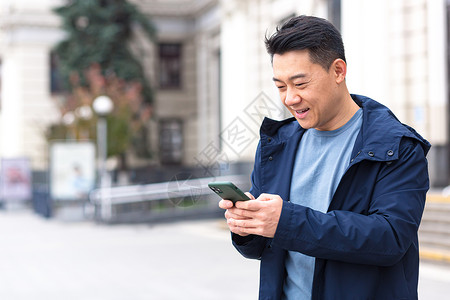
(106, 198)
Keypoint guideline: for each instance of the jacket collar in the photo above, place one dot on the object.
(379, 137)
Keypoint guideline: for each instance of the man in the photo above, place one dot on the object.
(340, 187)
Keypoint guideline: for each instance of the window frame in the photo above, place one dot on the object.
(166, 61)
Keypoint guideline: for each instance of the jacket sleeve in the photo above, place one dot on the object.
(382, 235)
(252, 246)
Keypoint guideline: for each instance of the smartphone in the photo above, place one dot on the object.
(227, 190)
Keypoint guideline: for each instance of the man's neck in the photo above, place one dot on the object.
(347, 109)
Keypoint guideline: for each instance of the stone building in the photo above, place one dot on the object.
(28, 31)
(183, 67)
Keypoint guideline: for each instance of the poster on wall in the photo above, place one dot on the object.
(15, 179)
(72, 170)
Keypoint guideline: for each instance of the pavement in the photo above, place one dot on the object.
(52, 259)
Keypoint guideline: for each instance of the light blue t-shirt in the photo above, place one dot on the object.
(321, 160)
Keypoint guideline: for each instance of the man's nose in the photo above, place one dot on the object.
(292, 97)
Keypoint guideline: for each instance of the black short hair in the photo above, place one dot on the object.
(322, 40)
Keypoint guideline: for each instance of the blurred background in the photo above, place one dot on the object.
(117, 112)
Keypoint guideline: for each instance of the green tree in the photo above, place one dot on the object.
(95, 59)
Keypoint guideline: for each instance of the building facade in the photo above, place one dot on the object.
(182, 64)
(212, 76)
(396, 53)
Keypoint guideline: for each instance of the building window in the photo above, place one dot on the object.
(334, 13)
(56, 80)
(171, 141)
(170, 65)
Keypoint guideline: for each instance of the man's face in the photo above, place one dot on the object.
(308, 91)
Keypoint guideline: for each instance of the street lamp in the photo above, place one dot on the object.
(103, 106)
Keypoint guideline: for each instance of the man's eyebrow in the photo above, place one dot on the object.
(300, 75)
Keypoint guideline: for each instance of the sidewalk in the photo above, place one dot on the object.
(52, 260)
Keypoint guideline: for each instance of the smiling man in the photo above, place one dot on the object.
(338, 190)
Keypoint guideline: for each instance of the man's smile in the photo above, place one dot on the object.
(301, 113)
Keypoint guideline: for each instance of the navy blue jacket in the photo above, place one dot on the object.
(366, 244)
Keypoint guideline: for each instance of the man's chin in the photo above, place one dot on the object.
(303, 124)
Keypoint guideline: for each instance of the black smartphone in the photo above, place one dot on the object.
(227, 190)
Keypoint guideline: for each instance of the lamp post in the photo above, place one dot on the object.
(103, 106)
(68, 120)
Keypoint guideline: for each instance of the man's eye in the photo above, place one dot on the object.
(280, 87)
(299, 84)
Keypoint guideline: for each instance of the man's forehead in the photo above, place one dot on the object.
(293, 65)
(291, 60)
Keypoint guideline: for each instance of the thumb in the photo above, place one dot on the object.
(250, 196)
(267, 197)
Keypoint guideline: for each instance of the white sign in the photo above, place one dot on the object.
(72, 170)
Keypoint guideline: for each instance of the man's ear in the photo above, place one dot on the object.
(339, 69)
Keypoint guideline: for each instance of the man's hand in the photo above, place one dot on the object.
(258, 216)
(230, 213)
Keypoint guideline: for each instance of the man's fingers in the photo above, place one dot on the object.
(252, 205)
(225, 204)
(243, 227)
(255, 204)
(242, 223)
(233, 215)
(238, 231)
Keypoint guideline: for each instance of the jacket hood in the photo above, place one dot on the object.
(379, 138)
(382, 130)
